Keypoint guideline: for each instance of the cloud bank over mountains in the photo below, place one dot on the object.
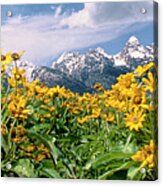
(44, 36)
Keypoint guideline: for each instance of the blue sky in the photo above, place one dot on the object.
(46, 31)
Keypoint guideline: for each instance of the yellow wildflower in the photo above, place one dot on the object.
(42, 119)
(29, 148)
(82, 120)
(17, 78)
(3, 68)
(47, 115)
(43, 149)
(19, 139)
(17, 107)
(17, 56)
(6, 59)
(146, 155)
(110, 117)
(52, 108)
(98, 87)
(58, 91)
(40, 157)
(3, 129)
(134, 119)
(46, 101)
(140, 70)
(126, 80)
(40, 90)
(138, 98)
(96, 112)
(18, 134)
(149, 83)
(21, 130)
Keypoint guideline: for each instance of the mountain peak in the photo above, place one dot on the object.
(134, 40)
(66, 56)
(69, 54)
(100, 50)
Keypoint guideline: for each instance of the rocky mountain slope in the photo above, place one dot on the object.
(52, 78)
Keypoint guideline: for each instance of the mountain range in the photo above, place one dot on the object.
(79, 72)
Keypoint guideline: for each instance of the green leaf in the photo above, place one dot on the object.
(36, 104)
(24, 168)
(133, 172)
(130, 148)
(108, 157)
(43, 111)
(4, 143)
(113, 165)
(41, 126)
(48, 163)
(49, 144)
(109, 173)
(50, 173)
(88, 138)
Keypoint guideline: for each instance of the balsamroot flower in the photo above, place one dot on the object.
(146, 155)
(17, 107)
(134, 119)
(149, 82)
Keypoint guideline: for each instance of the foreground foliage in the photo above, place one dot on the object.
(55, 133)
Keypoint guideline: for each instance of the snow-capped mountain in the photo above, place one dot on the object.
(71, 61)
(89, 68)
(133, 54)
(98, 66)
(79, 72)
(133, 50)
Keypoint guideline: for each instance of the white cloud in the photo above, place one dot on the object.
(58, 11)
(44, 36)
(95, 14)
